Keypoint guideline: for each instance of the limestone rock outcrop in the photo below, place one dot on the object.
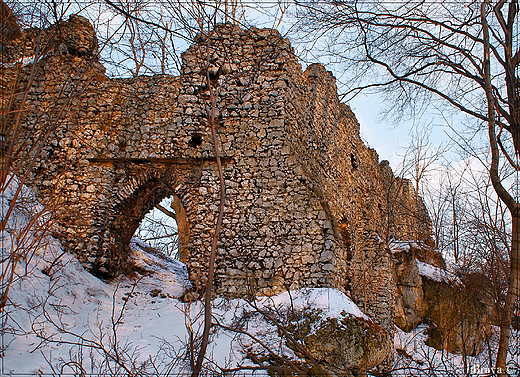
(458, 321)
(457, 314)
(410, 305)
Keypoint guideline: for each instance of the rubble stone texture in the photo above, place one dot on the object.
(308, 203)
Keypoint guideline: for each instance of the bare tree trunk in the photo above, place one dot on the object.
(212, 119)
(510, 202)
(512, 294)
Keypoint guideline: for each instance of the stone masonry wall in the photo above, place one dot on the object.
(307, 201)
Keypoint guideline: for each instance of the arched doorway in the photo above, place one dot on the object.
(166, 229)
(154, 199)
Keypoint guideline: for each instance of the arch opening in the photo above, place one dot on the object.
(165, 228)
(134, 213)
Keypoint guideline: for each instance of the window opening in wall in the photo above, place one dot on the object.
(165, 228)
(195, 141)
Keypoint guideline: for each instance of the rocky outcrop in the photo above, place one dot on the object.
(458, 321)
(410, 306)
(456, 313)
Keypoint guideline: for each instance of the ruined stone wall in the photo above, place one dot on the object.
(307, 201)
(345, 174)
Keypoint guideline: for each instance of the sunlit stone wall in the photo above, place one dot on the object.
(308, 204)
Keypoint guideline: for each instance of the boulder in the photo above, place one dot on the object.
(323, 330)
(342, 345)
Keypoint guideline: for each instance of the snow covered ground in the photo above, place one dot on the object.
(69, 320)
(59, 319)
(414, 358)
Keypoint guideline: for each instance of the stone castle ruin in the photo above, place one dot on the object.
(308, 203)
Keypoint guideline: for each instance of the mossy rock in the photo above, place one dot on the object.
(341, 345)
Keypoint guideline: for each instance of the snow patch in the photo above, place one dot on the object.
(435, 273)
(414, 358)
(332, 302)
(166, 273)
(24, 61)
(397, 246)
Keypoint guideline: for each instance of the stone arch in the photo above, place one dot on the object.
(131, 211)
(139, 191)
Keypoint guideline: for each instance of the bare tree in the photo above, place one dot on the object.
(21, 239)
(460, 58)
(160, 228)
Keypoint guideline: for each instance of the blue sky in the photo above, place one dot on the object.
(390, 138)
